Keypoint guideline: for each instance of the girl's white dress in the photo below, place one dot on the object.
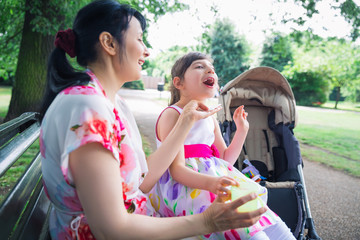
(170, 198)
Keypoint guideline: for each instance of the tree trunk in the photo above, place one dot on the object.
(30, 76)
(337, 97)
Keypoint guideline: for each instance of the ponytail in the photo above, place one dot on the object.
(60, 75)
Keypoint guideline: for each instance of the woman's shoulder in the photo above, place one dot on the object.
(80, 100)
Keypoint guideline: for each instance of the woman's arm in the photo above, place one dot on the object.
(231, 153)
(99, 187)
(160, 160)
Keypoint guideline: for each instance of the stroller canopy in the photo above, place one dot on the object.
(263, 86)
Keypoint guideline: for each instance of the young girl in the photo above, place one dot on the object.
(204, 167)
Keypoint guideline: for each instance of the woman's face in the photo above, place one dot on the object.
(200, 80)
(135, 52)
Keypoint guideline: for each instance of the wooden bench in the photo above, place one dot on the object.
(24, 212)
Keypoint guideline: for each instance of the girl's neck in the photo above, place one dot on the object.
(183, 101)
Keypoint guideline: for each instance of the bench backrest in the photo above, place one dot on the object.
(24, 213)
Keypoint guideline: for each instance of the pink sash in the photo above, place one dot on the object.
(201, 150)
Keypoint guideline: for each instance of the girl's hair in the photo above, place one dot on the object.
(93, 19)
(179, 69)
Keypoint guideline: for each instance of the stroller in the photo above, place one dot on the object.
(270, 145)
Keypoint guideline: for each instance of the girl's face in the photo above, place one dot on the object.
(135, 52)
(200, 81)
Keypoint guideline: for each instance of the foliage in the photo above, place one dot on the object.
(336, 60)
(348, 9)
(44, 19)
(134, 85)
(342, 61)
(11, 19)
(309, 87)
(276, 52)
(229, 50)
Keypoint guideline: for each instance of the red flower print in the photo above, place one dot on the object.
(84, 232)
(80, 90)
(127, 159)
(99, 126)
(41, 142)
(232, 235)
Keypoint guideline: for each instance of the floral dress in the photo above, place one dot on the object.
(81, 115)
(170, 198)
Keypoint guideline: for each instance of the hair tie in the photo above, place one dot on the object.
(66, 41)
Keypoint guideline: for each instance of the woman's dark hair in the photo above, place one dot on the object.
(179, 69)
(93, 19)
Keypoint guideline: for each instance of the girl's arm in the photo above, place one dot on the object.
(99, 187)
(160, 160)
(179, 171)
(192, 179)
(232, 152)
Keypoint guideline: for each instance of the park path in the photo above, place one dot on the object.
(334, 196)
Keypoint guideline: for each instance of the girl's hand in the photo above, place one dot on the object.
(220, 186)
(222, 216)
(240, 118)
(195, 110)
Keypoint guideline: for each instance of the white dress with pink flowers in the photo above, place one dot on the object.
(80, 115)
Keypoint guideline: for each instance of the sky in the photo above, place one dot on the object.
(251, 18)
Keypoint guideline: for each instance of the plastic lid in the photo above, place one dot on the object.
(246, 188)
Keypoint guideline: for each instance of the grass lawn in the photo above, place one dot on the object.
(342, 106)
(5, 95)
(335, 136)
(9, 179)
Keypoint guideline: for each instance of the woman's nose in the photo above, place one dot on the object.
(146, 51)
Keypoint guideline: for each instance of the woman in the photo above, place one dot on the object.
(94, 169)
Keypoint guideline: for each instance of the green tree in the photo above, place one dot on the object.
(342, 62)
(333, 60)
(229, 50)
(349, 9)
(276, 52)
(309, 86)
(31, 25)
(40, 21)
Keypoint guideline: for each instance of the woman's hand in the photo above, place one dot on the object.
(195, 110)
(223, 216)
(240, 118)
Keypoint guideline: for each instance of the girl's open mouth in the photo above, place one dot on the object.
(209, 82)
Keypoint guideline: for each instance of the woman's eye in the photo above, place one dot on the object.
(199, 66)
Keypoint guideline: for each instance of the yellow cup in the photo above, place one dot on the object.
(246, 188)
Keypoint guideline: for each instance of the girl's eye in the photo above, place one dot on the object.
(199, 66)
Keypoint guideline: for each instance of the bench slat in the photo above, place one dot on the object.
(14, 149)
(11, 210)
(12, 127)
(37, 223)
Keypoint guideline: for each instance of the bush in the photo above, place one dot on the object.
(135, 85)
(310, 88)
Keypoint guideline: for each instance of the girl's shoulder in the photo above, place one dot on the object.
(170, 113)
